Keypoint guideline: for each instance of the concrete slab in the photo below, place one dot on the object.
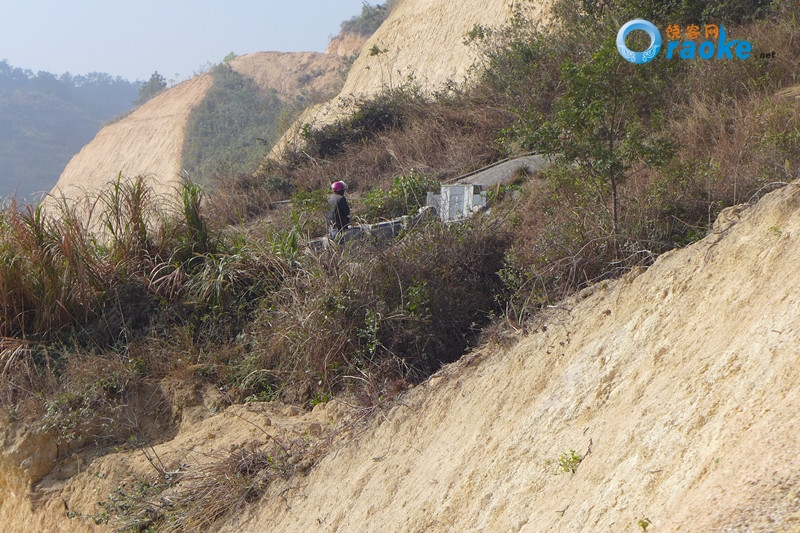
(504, 171)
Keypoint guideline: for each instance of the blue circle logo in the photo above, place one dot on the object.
(639, 57)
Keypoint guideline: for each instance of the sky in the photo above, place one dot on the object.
(134, 38)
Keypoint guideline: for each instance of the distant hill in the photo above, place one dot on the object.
(207, 125)
(222, 122)
(45, 119)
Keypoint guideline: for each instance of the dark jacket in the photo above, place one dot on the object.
(339, 213)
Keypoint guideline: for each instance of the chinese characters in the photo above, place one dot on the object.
(692, 32)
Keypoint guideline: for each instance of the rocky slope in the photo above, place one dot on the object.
(676, 389)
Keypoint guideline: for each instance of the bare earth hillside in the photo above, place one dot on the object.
(146, 142)
(677, 386)
(150, 140)
(420, 41)
(290, 72)
(424, 40)
(346, 44)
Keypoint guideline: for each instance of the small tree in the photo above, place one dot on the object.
(154, 86)
(604, 125)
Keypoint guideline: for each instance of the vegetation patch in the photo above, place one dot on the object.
(371, 17)
(195, 496)
(231, 130)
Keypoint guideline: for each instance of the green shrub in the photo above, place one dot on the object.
(407, 195)
(369, 20)
(568, 462)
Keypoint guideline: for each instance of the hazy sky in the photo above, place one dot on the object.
(133, 39)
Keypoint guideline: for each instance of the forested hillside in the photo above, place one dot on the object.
(45, 119)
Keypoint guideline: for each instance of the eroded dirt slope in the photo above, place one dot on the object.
(677, 386)
(148, 142)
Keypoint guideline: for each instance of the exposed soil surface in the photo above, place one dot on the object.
(672, 393)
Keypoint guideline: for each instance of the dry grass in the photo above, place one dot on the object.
(200, 492)
(379, 317)
(441, 138)
(224, 484)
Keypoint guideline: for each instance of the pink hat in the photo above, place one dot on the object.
(337, 186)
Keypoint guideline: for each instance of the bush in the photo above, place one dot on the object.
(374, 319)
(369, 117)
(369, 20)
(51, 274)
(407, 195)
(558, 83)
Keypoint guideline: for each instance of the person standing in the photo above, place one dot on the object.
(339, 212)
